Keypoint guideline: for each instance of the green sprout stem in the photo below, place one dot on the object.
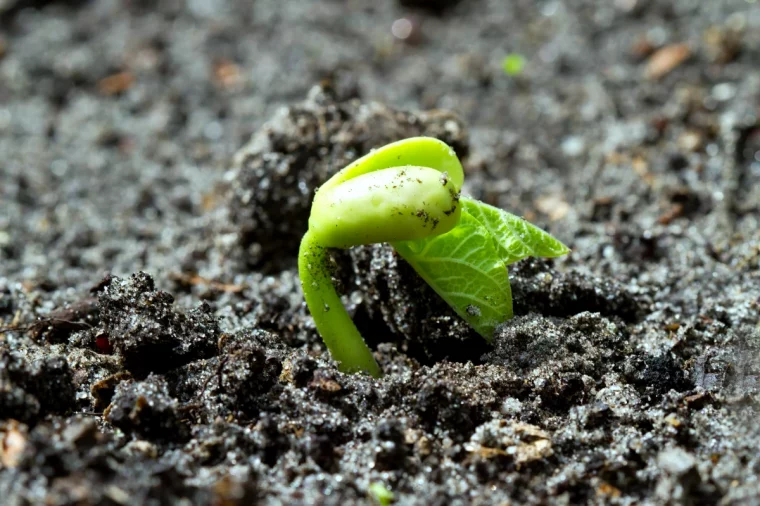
(338, 332)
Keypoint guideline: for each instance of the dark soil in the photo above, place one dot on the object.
(157, 162)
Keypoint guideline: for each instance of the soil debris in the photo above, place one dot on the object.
(665, 60)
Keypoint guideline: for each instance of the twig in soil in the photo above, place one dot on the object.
(188, 279)
(219, 370)
(44, 324)
(217, 375)
(59, 324)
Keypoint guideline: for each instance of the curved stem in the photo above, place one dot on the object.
(333, 322)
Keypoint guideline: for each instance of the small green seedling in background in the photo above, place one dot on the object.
(513, 64)
(380, 494)
(408, 194)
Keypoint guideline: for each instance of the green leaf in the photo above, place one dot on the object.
(464, 267)
(513, 237)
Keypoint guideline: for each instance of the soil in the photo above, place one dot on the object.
(157, 162)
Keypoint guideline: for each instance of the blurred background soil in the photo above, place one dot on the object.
(157, 162)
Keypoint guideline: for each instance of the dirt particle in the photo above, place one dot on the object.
(13, 437)
(227, 75)
(665, 60)
(116, 83)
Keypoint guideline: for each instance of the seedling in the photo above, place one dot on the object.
(513, 64)
(380, 494)
(408, 194)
